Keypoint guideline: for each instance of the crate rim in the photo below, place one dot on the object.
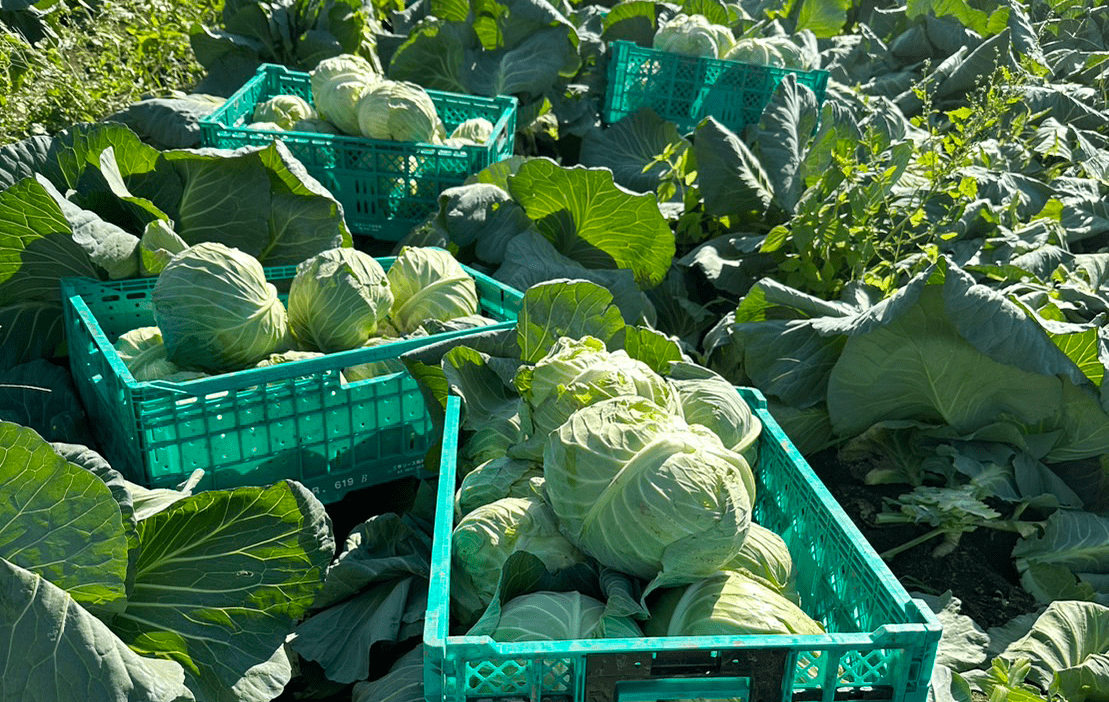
(74, 287)
(437, 624)
(216, 120)
(820, 74)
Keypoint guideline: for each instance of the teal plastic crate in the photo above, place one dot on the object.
(686, 89)
(385, 187)
(298, 420)
(880, 645)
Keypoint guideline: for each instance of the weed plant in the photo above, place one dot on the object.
(92, 60)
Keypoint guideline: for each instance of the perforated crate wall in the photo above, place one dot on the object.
(299, 420)
(880, 644)
(385, 187)
(686, 89)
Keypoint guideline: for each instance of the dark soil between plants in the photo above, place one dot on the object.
(980, 572)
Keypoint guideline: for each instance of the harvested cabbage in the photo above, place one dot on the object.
(337, 300)
(777, 51)
(576, 373)
(428, 283)
(216, 311)
(693, 35)
(559, 616)
(476, 130)
(144, 353)
(283, 110)
(485, 538)
(643, 492)
(727, 603)
(399, 111)
(714, 403)
(338, 83)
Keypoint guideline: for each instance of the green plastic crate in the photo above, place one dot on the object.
(686, 89)
(298, 420)
(880, 645)
(385, 187)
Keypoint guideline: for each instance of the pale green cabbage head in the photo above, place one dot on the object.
(283, 110)
(777, 51)
(765, 555)
(337, 85)
(484, 539)
(216, 311)
(144, 353)
(693, 35)
(727, 603)
(642, 491)
(337, 300)
(315, 126)
(714, 403)
(399, 111)
(276, 359)
(576, 373)
(374, 369)
(560, 616)
(428, 283)
(476, 130)
(265, 126)
(494, 479)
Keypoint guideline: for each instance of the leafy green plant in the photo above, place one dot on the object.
(194, 600)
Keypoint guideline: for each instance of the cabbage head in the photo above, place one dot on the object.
(276, 359)
(374, 369)
(727, 603)
(337, 300)
(560, 616)
(693, 35)
(428, 283)
(216, 311)
(283, 110)
(576, 373)
(494, 479)
(777, 51)
(645, 493)
(314, 126)
(265, 126)
(765, 556)
(476, 130)
(337, 85)
(399, 111)
(484, 539)
(144, 353)
(714, 403)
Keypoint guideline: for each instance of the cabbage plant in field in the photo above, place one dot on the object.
(216, 310)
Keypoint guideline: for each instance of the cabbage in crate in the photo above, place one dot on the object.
(283, 110)
(337, 85)
(399, 111)
(216, 310)
(693, 35)
(428, 283)
(646, 493)
(337, 300)
(559, 616)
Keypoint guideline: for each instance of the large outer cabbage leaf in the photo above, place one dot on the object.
(594, 221)
(60, 521)
(221, 579)
(53, 649)
(643, 492)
